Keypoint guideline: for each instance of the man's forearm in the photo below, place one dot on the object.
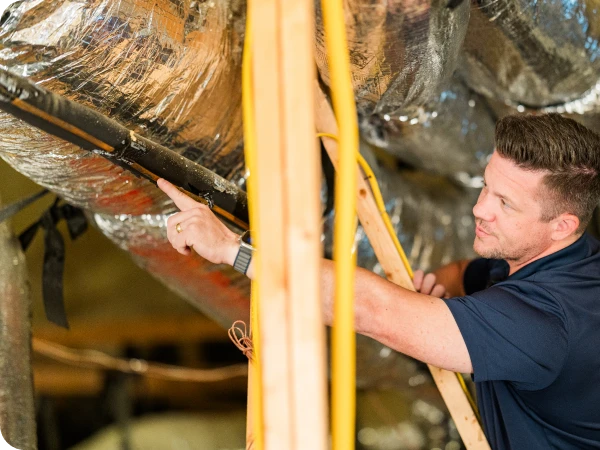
(363, 304)
(412, 323)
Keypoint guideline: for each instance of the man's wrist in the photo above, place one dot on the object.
(244, 255)
(232, 249)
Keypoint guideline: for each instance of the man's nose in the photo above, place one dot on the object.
(482, 211)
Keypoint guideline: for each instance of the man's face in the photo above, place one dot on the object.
(508, 212)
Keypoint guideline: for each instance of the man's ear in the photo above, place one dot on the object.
(564, 226)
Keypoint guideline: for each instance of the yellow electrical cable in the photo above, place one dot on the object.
(470, 398)
(388, 223)
(251, 163)
(380, 204)
(343, 364)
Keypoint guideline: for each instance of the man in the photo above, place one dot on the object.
(526, 320)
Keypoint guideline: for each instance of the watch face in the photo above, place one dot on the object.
(246, 238)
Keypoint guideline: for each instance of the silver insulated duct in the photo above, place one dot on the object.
(534, 53)
(401, 52)
(170, 71)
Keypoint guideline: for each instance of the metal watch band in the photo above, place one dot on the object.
(243, 258)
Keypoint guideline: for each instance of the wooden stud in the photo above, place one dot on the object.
(292, 346)
(302, 179)
(273, 309)
(368, 214)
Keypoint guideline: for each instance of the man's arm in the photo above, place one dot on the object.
(412, 323)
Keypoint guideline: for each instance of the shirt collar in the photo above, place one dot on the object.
(574, 252)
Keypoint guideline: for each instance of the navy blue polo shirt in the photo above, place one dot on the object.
(534, 342)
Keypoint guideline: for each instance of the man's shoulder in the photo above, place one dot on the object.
(581, 259)
(584, 268)
(527, 291)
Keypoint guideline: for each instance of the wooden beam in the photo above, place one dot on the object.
(270, 264)
(368, 214)
(142, 331)
(292, 335)
(60, 380)
(302, 179)
(66, 381)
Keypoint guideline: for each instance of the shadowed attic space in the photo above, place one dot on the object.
(100, 279)
(115, 307)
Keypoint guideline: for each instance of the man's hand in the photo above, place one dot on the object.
(426, 284)
(196, 227)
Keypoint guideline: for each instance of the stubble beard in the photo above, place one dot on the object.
(492, 253)
(498, 253)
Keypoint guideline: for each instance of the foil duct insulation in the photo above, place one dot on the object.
(169, 70)
(17, 409)
(217, 290)
(401, 52)
(452, 135)
(586, 114)
(585, 110)
(94, 53)
(530, 52)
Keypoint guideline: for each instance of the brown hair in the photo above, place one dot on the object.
(567, 150)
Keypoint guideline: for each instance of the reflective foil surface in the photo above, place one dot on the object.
(169, 70)
(401, 52)
(538, 53)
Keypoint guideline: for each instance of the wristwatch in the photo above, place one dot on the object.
(244, 256)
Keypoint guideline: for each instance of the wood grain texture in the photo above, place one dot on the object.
(292, 346)
(270, 262)
(302, 180)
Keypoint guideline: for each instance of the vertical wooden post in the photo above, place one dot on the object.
(17, 408)
(288, 182)
(273, 308)
(302, 175)
(368, 214)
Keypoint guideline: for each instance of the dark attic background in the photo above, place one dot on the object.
(118, 308)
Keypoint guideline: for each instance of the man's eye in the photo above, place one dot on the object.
(506, 205)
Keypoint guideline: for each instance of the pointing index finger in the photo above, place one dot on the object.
(182, 201)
